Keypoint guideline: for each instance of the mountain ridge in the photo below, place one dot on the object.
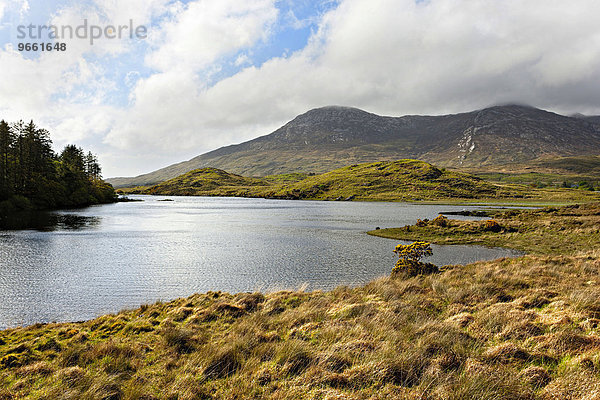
(325, 138)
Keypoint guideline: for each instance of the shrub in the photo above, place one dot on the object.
(409, 259)
(491, 226)
(441, 221)
(414, 251)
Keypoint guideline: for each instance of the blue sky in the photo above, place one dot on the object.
(216, 72)
(296, 21)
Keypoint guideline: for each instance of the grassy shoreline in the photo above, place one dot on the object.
(402, 180)
(482, 202)
(547, 231)
(519, 328)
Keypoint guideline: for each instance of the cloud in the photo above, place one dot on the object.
(19, 6)
(207, 30)
(391, 57)
(242, 59)
(388, 56)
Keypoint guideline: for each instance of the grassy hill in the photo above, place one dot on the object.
(393, 180)
(207, 182)
(522, 329)
(401, 180)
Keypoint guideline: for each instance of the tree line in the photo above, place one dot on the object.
(32, 175)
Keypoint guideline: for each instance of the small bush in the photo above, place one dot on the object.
(414, 268)
(491, 226)
(440, 221)
(409, 257)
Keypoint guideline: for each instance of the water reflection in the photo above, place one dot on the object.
(44, 221)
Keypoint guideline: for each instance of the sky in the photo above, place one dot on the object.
(209, 73)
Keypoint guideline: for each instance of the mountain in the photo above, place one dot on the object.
(326, 138)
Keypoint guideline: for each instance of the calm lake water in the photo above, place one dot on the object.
(103, 259)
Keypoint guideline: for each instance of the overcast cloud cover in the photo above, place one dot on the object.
(216, 72)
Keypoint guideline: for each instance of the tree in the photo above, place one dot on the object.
(7, 139)
(33, 158)
(32, 174)
(409, 259)
(92, 167)
(72, 158)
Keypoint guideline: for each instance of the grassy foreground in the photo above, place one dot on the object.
(524, 328)
(402, 180)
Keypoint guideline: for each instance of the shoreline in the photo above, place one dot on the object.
(492, 202)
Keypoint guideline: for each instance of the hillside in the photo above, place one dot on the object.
(573, 165)
(330, 137)
(519, 329)
(401, 180)
(391, 180)
(207, 182)
(576, 171)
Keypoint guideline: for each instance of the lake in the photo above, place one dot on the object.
(83, 263)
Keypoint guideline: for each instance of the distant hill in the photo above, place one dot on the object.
(402, 180)
(207, 182)
(330, 137)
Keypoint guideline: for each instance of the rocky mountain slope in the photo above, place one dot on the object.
(330, 137)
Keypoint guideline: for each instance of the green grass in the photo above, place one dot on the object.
(541, 180)
(207, 182)
(546, 172)
(578, 165)
(523, 328)
(402, 180)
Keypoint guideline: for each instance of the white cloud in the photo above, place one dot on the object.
(18, 6)
(387, 56)
(242, 59)
(207, 30)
